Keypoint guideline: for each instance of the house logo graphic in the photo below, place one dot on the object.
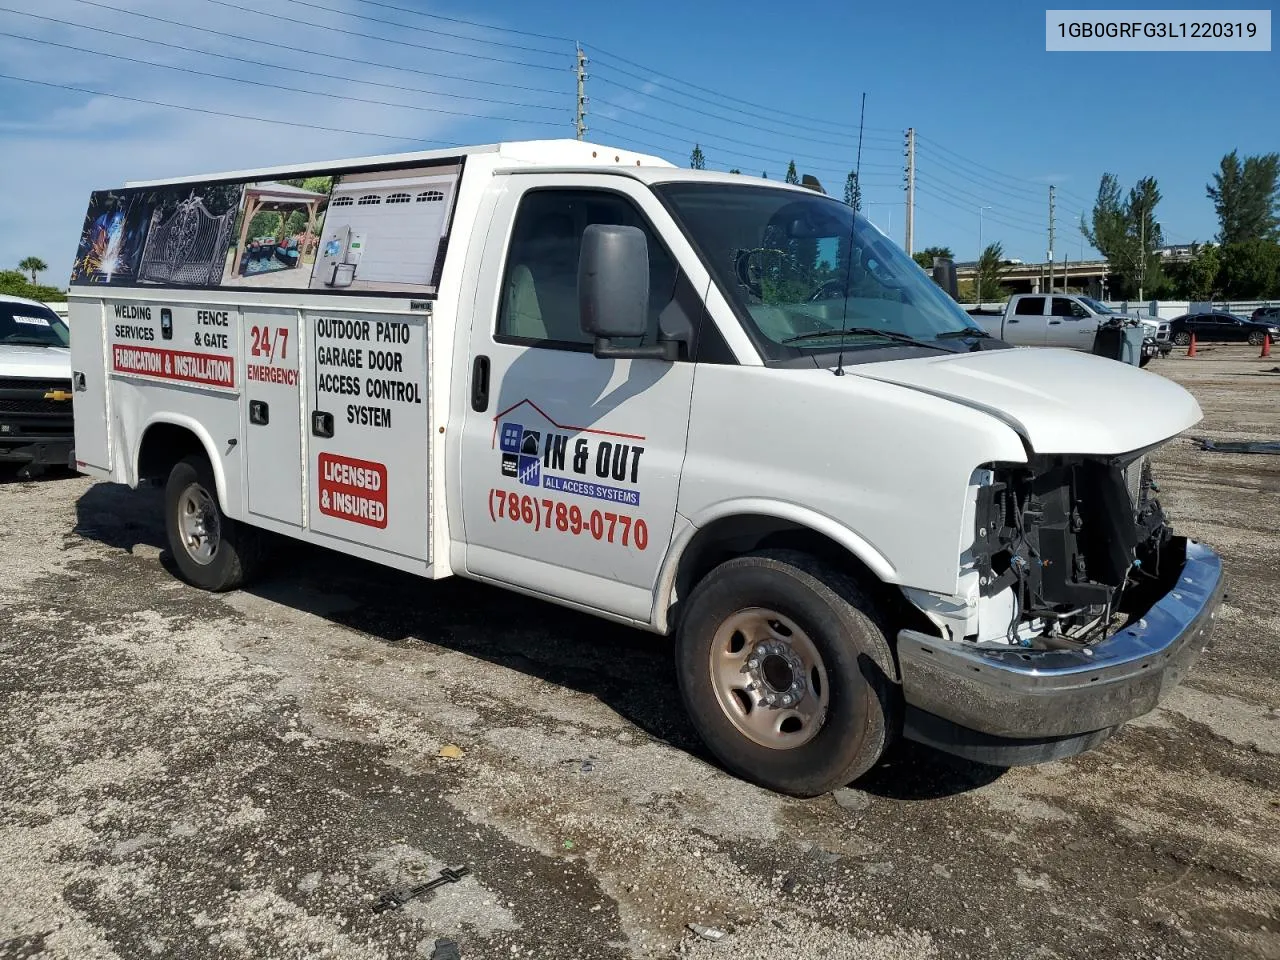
(520, 454)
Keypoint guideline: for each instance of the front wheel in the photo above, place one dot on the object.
(1256, 338)
(1182, 338)
(211, 550)
(782, 666)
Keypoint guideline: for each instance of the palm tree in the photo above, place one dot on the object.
(33, 266)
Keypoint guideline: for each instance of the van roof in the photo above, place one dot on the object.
(557, 153)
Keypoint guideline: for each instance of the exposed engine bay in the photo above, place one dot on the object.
(1071, 541)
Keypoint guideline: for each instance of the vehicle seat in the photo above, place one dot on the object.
(542, 292)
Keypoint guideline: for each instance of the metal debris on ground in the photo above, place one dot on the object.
(708, 933)
(446, 950)
(1241, 446)
(394, 899)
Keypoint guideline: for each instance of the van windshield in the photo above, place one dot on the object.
(23, 324)
(798, 269)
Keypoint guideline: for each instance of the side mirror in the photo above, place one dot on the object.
(613, 291)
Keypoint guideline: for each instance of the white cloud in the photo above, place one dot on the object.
(58, 146)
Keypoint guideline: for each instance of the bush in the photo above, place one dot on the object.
(14, 283)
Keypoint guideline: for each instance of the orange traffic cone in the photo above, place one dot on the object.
(1191, 350)
(1266, 345)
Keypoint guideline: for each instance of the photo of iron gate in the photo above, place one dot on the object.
(188, 248)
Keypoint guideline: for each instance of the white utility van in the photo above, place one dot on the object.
(697, 403)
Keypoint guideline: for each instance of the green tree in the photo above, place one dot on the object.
(1250, 270)
(792, 176)
(318, 184)
(1197, 279)
(925, 257)
(696, 160)
(33, 266)
(14, 283)
(990, 273)
(853, 191)
(1127, 233)
(1246, 197)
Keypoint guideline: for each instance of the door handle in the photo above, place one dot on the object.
(480, 384)
(1015, 321)
(1054, 323)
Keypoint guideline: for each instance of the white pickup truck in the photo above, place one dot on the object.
(1065, 320)
(700, 404)
(35, 387)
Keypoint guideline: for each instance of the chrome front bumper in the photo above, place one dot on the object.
(1029, 695)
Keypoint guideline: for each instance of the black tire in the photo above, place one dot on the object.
(1144, 359)
(1182, 338)
(238, 549)
(1256, 338)
(841, 620)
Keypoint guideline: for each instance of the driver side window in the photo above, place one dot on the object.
(539, 305)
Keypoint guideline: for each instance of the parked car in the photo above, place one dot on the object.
(36, 426)
(1222, 326)
(1064, 320)
(1270, 315)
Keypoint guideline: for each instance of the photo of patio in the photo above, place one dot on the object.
(279, 234)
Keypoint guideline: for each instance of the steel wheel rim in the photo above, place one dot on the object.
(769, 678)
(198, 524)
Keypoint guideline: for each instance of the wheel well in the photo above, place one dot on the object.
(163, 445)
(734, 536)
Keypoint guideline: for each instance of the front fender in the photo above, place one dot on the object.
(688, 527)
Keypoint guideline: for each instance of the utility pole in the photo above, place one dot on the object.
(911, 188)
(1142, 253)
(1051, 238)
(977, 273)
(580, 121)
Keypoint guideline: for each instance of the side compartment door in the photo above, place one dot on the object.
(571, 463)
(1026, 327)
(89, 383)
(368, 415)
(273, 413)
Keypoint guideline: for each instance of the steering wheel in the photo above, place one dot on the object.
(820, 292)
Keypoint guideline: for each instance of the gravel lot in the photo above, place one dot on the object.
(187, 775)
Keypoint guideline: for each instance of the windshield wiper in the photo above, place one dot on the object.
(966, 332)
(29, 342)
(867, 331)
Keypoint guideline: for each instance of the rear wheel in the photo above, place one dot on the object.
(1182, 338)
(211, 550)
(781, 662)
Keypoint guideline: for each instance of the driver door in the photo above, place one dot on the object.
(571, 463)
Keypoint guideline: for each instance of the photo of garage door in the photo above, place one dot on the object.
(383, 231)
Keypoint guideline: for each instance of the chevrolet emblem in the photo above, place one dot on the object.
(57, 395)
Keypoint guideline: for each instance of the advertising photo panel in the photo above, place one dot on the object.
(171, 236)
(383, 230)
(277, 234)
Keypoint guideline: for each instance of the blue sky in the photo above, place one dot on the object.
(756, 83)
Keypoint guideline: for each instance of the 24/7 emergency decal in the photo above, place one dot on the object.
(536, 455)
(181, 344)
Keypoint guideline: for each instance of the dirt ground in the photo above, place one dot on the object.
(187, 775)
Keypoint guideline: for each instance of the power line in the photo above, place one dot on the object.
(374, 36)
(1005, 212)
(274, 66)
(232, 116)
(1037, 229)
(951, 162)
(407, 26)
(718, 137)
(278, 86)
(851, 141)
(469, 23)
(724, 96)
(716, 116)
(365, 62)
